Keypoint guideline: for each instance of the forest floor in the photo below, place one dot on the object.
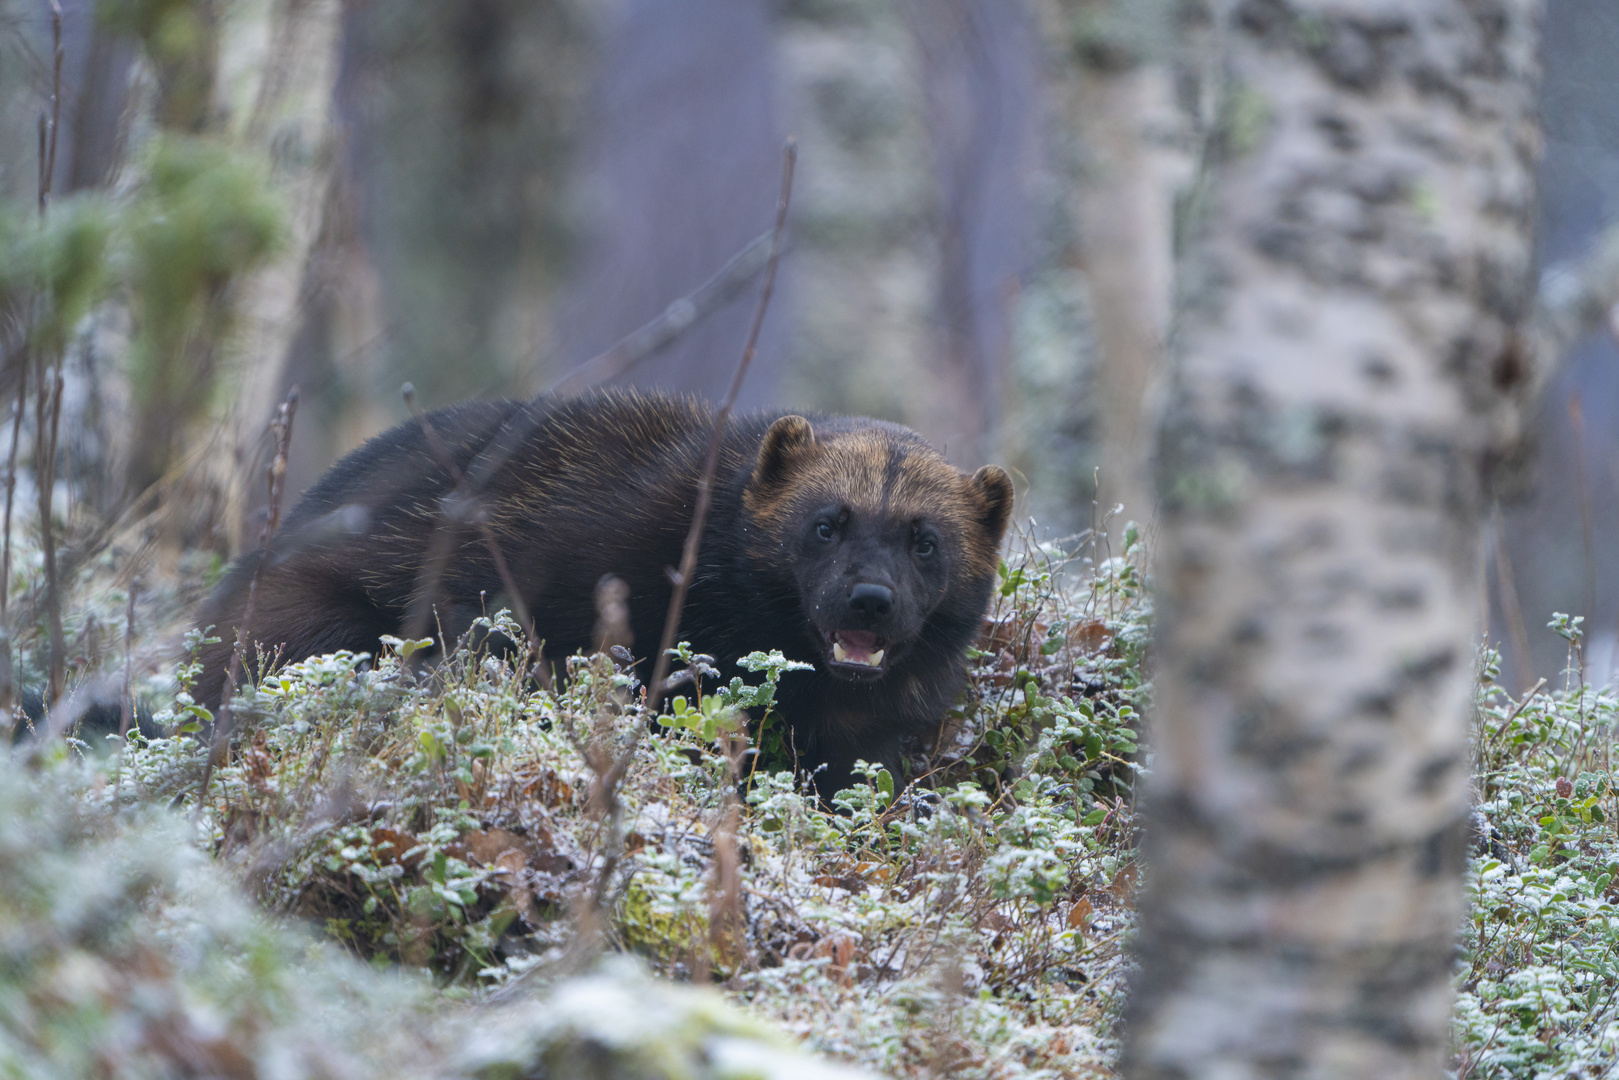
(459, 872)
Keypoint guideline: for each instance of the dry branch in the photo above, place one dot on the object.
(48, 127)
(7, 685)
(47, 417)
(705, 484)
(275, 476)
(608, 786)
(126, 706)
(605, 795)
(676, 319)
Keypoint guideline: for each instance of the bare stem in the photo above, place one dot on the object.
(275, 477)
(604, 796)
(44, 138)
(48, 415)
(7, 684)
(705, 483)
(47, 141)
(1576, 419)
(1511, 610)
(127, 702)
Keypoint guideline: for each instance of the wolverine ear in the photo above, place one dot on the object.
(787, 438)
(994, 488)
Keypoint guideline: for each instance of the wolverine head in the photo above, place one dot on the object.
(878, 533)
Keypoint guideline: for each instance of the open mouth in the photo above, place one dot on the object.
(857, 652)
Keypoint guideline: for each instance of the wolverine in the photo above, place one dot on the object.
(847, 543)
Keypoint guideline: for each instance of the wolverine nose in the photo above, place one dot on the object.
(871, 601)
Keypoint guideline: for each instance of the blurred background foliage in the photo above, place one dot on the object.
(477, 197)
(207, 203)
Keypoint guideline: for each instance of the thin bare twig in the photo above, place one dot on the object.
(1511, 610)
(694, 535)
(7, 684)
(725, 921)
(1523, 703)
(605, 790)
(462, 505)
(1576, 419)
(47, 141)
(127, 704)
(47, 415)
(705, 483)
(44, 137)
(275, 477)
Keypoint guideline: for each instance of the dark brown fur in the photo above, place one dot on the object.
(604, 485)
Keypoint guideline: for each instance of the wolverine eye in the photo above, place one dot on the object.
(824, 530)
(924, 546)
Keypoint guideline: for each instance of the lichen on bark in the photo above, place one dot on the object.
(1351, 294)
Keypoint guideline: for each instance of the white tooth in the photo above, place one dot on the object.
(838, 653)
(877, 658)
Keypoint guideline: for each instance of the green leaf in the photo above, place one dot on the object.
(405, 648)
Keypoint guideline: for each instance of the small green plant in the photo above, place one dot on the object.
(1536, 987)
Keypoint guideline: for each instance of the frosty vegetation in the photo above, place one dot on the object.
(449, 882)
(460, 824)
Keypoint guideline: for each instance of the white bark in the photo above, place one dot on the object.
(1347, 369)
(1125, 210)
(283, 68)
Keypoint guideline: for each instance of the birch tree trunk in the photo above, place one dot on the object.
(1346, 370)
(1117, 93)
(1126, 212)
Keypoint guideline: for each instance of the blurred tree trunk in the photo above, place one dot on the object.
(1347, 367)
(1118, 95)
(97, 69)
(681, 160)
(980, 69)
(181, 44)
(327, 356)
(290, 115)
(457, 118)
(1539, 569)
